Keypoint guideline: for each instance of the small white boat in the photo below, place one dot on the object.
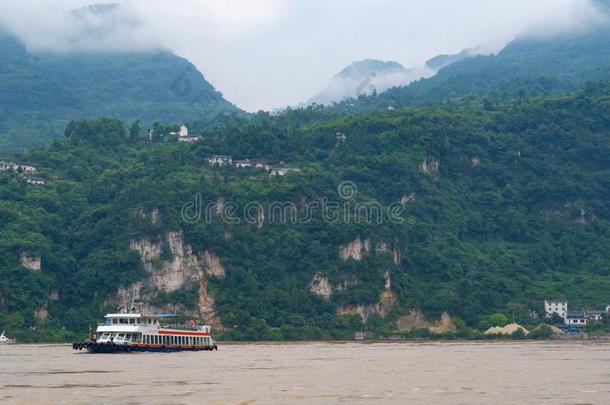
(6, 341)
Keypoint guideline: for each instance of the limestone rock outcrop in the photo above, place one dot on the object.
(172, 265)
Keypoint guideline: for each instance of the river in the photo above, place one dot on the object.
(319, 373)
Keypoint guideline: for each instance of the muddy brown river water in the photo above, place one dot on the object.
(318, 373)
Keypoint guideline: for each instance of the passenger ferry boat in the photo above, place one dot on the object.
(147, 333)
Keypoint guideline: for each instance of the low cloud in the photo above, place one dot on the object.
(271, 53)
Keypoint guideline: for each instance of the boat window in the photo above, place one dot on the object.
(122, 321)
(115, 321)
(132, 321)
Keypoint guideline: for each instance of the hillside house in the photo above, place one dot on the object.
(576, 318)
(608, 309)
(6, 166)
(558, 307)
(184, 132)
(282, 171)
(220, 160)
(278, 171)
(184, 136)
(594, 316)
(261, 165)
(38, 181)
(26, 169)
(16, 167)
(242, 164)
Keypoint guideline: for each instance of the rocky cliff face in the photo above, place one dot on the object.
(171, 271)
(431, 166)
(386, 304)
(30, 262)
(417, 320)
(358, 249)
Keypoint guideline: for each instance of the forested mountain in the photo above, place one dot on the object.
(492, 211)
(41, 93)
(528, 66)
(483, 192)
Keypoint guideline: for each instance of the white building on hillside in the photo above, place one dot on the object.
(555, 307)
(184, 132)
(576, 318)
(220, 160)
(38, 181)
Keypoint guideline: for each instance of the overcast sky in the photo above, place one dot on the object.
(264, 54)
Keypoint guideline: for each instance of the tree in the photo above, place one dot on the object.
(134, 131)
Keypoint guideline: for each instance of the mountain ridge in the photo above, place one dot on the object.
(145, 86)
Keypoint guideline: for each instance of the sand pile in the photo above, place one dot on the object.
(507, 330)
(554, 329)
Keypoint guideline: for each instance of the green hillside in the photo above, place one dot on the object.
(527, 67)
(41, 93)
(497, 210)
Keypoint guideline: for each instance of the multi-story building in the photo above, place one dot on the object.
(555, 307)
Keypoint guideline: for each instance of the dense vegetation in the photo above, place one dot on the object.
(516, 213)
(41, 93)
(501, 165)
(529, 66)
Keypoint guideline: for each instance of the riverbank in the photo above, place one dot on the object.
(66, 337)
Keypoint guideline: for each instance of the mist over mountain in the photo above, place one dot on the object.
(530, 65)
(364, 78)
(40, 93)
(441, 61)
